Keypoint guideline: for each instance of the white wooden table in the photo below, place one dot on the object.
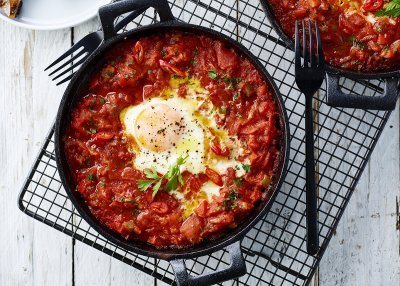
(364, 251)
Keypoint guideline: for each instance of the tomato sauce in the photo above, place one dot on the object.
(353, 37)
(101, 161)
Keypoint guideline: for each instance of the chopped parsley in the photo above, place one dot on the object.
(173, 176)
(246, 167)
(231, 199)
(136, 212)
(213, 74)
(232, 82)
(126, 200)
(102, 100)
(163, 53)
(391, 9)
(238, 181)
(91, 131)
(108, 73)
(359, 44)
(235, 96)
(91, 177)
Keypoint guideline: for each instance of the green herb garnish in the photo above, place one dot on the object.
(213, 74)
(231, 200)
(232, 82)
(126, 200)
(163, 53)
(391, 9)
(246, 167)
(109, 73)
(358, 43)
(233, 195)
(91, 131)
(91, 177)
(102, 100)
(173, 176)
(136, 212)
(238, 181)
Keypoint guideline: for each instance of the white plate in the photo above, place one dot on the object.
(54, 14)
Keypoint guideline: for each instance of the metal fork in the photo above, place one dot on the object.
(309, 77)
(82, 49)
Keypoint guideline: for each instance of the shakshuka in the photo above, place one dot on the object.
(176, 139)
(359, 35)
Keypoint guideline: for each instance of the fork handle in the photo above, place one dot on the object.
(311, 194)
(337, 98)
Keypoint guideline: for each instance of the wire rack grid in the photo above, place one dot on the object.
(275, 249)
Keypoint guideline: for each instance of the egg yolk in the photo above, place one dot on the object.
(159, 127)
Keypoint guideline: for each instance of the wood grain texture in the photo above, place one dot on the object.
(364, 251)
(31, 254)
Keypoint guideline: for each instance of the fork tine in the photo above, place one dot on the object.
(305, 53)
(312, 54)
(297, 60)
(74, 48)
(65, 79)
(78, 63)
(71, 60)
(321, 59)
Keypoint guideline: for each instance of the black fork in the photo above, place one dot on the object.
(309, 76)
(78, 53)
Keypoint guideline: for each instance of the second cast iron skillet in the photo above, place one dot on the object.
(335, 96)
(73, 94)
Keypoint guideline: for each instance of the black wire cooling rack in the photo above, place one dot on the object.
(275, 249)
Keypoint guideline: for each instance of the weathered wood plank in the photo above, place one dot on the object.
(365, 249)
(27, 111)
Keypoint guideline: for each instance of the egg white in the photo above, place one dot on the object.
(191, 143)
(200, 129)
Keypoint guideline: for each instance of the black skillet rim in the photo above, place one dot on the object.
(144, 248)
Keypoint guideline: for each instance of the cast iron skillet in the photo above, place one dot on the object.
(73, 93)
(335, 96)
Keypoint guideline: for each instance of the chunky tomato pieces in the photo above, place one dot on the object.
(100, 158)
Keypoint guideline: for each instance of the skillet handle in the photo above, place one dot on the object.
(337, 98)
(236, 269)
(109, 13)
